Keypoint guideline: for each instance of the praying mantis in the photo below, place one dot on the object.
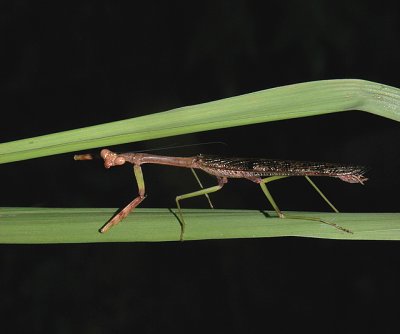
(259, 171)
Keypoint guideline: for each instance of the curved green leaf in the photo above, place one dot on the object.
(298, 100)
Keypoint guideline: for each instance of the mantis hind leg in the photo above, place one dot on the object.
(263, 182)
(321, 194)
(205, 191)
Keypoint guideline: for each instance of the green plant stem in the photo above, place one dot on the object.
(45, 225)
(298, 100)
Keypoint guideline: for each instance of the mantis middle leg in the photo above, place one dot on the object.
(221, 182)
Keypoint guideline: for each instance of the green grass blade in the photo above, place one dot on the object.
(299, 100)
(44, 225)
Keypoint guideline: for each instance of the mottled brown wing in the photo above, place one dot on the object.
(270, 167)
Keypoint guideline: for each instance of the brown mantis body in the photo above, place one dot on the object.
(260, 171)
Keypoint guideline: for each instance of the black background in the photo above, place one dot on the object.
(67, 65)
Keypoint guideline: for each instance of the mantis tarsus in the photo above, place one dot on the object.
(260, 171)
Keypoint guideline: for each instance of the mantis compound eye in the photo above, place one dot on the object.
(105, 153)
